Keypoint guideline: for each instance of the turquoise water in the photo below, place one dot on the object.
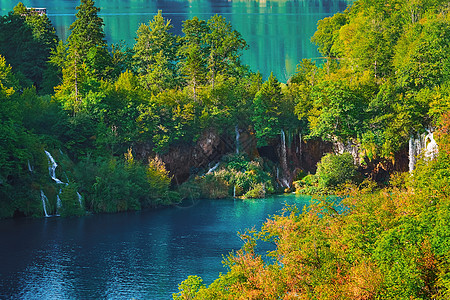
(278, 32)
(141, 255)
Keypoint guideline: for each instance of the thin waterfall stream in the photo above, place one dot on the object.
(283, 158)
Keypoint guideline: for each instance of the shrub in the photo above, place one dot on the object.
(335, 169)
(112, 185)
(237, 173)
(258, 191)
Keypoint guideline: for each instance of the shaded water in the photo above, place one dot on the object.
(278, 32)
(142, 255)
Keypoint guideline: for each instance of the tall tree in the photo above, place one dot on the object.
(225, 48)
(266, 110)
(193, 53)
(26, 40)
(87, 55)
(155, 51)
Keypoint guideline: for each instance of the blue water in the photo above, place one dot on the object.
(277, 31)
(141, 255)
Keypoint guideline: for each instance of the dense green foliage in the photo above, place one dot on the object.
(385, 64)
(234, 176)
(26, 40)
(375, 244)
(384, 79)
(333, 171)
(165, 91)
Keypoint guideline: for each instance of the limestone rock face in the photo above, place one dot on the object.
(300, 155)
(185, 160)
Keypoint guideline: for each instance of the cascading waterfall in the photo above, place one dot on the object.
(236, 130)
(29, 167)
(284, 159)
(52, 167)
(58, 203)
(283, 151)
(52, 170)
(425, 144)
(80, 199)
(44, 203)
(432, 149)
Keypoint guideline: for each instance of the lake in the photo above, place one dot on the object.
(278, 32)
(141, 255)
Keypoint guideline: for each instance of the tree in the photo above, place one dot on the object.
(421, 58)
(16, 148)
(327, 34)
(193, 53)
(338, 111)
(26, 40)
(266, 110)
(225, 48)
(155, 51)
(87, 56)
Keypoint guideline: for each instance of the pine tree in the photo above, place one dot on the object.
(193, 53)
(155, 51)
(267, 110)
(87, 56)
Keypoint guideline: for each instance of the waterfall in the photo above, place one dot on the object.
(58, 203)
(44, 203)
(236, 130)
(431, 150)
(234, 191)
(80, 199)
(425, 144)
(213, 168)
(411, 154)
(283, 151)
(300, 144)
(52, 167)
(29, 167)
(284, 166)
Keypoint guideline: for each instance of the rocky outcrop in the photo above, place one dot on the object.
(312, 152)
(185, 160)
(301, 155)
(351, 147)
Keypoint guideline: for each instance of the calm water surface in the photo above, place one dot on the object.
(142, 255)
(278, 32)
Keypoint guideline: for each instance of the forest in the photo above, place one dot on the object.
(92, 127)
(112, 116)
(386, 79)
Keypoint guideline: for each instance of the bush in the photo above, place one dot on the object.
(335, 169)
(258, 191)
(309, 185)
(71, 205)
(237, 174)
(112, 185)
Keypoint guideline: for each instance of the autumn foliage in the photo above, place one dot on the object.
(372, 244)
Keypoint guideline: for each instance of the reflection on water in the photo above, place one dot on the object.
(142, 255)
(278, 32)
